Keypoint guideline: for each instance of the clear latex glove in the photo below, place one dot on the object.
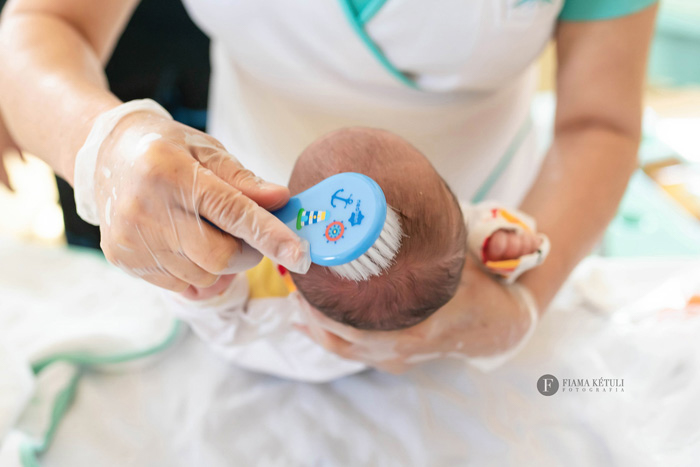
(485, 324)
(177, 210)
(202, 294)
(7, 145)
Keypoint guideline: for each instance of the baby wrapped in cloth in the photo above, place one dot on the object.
(252, 322)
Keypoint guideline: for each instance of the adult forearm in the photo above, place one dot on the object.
(52, 87)
(574, 198)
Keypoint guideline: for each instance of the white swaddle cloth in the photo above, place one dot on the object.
(259, 335)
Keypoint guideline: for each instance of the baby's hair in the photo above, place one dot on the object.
(379, 257)
(428, 266)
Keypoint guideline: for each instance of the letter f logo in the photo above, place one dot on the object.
(547, 385)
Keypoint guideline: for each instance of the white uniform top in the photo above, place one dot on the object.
(453, 77)
(283, 76)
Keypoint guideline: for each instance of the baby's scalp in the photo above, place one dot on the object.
(427, 267)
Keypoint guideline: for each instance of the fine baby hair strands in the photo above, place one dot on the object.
(348, 224)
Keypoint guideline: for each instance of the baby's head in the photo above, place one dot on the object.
(428, 266)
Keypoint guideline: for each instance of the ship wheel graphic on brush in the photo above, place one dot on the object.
(334, 231)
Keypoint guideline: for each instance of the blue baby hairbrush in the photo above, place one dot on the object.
(348, 225)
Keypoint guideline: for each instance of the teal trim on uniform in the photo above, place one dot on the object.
(505, 161)
(365, 10)
(371, 8)
(359, 5)
(349, 10)
(30, 451)
(591, 10)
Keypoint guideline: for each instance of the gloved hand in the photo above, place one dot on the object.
(7, 145)
(177, 210)
(201, 294)
(485, 324)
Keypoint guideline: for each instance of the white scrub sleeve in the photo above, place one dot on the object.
(86, 159)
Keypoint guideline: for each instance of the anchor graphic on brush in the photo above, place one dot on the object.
(347, 200)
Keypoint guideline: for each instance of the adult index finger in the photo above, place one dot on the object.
(233, 212)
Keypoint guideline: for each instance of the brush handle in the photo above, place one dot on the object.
(289, 213)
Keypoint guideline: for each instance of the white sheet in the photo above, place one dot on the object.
(191, 408)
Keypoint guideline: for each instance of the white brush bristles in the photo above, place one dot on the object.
(379, 257)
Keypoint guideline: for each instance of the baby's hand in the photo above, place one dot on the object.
(196, 293)
(507, 244)
(505, 241)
